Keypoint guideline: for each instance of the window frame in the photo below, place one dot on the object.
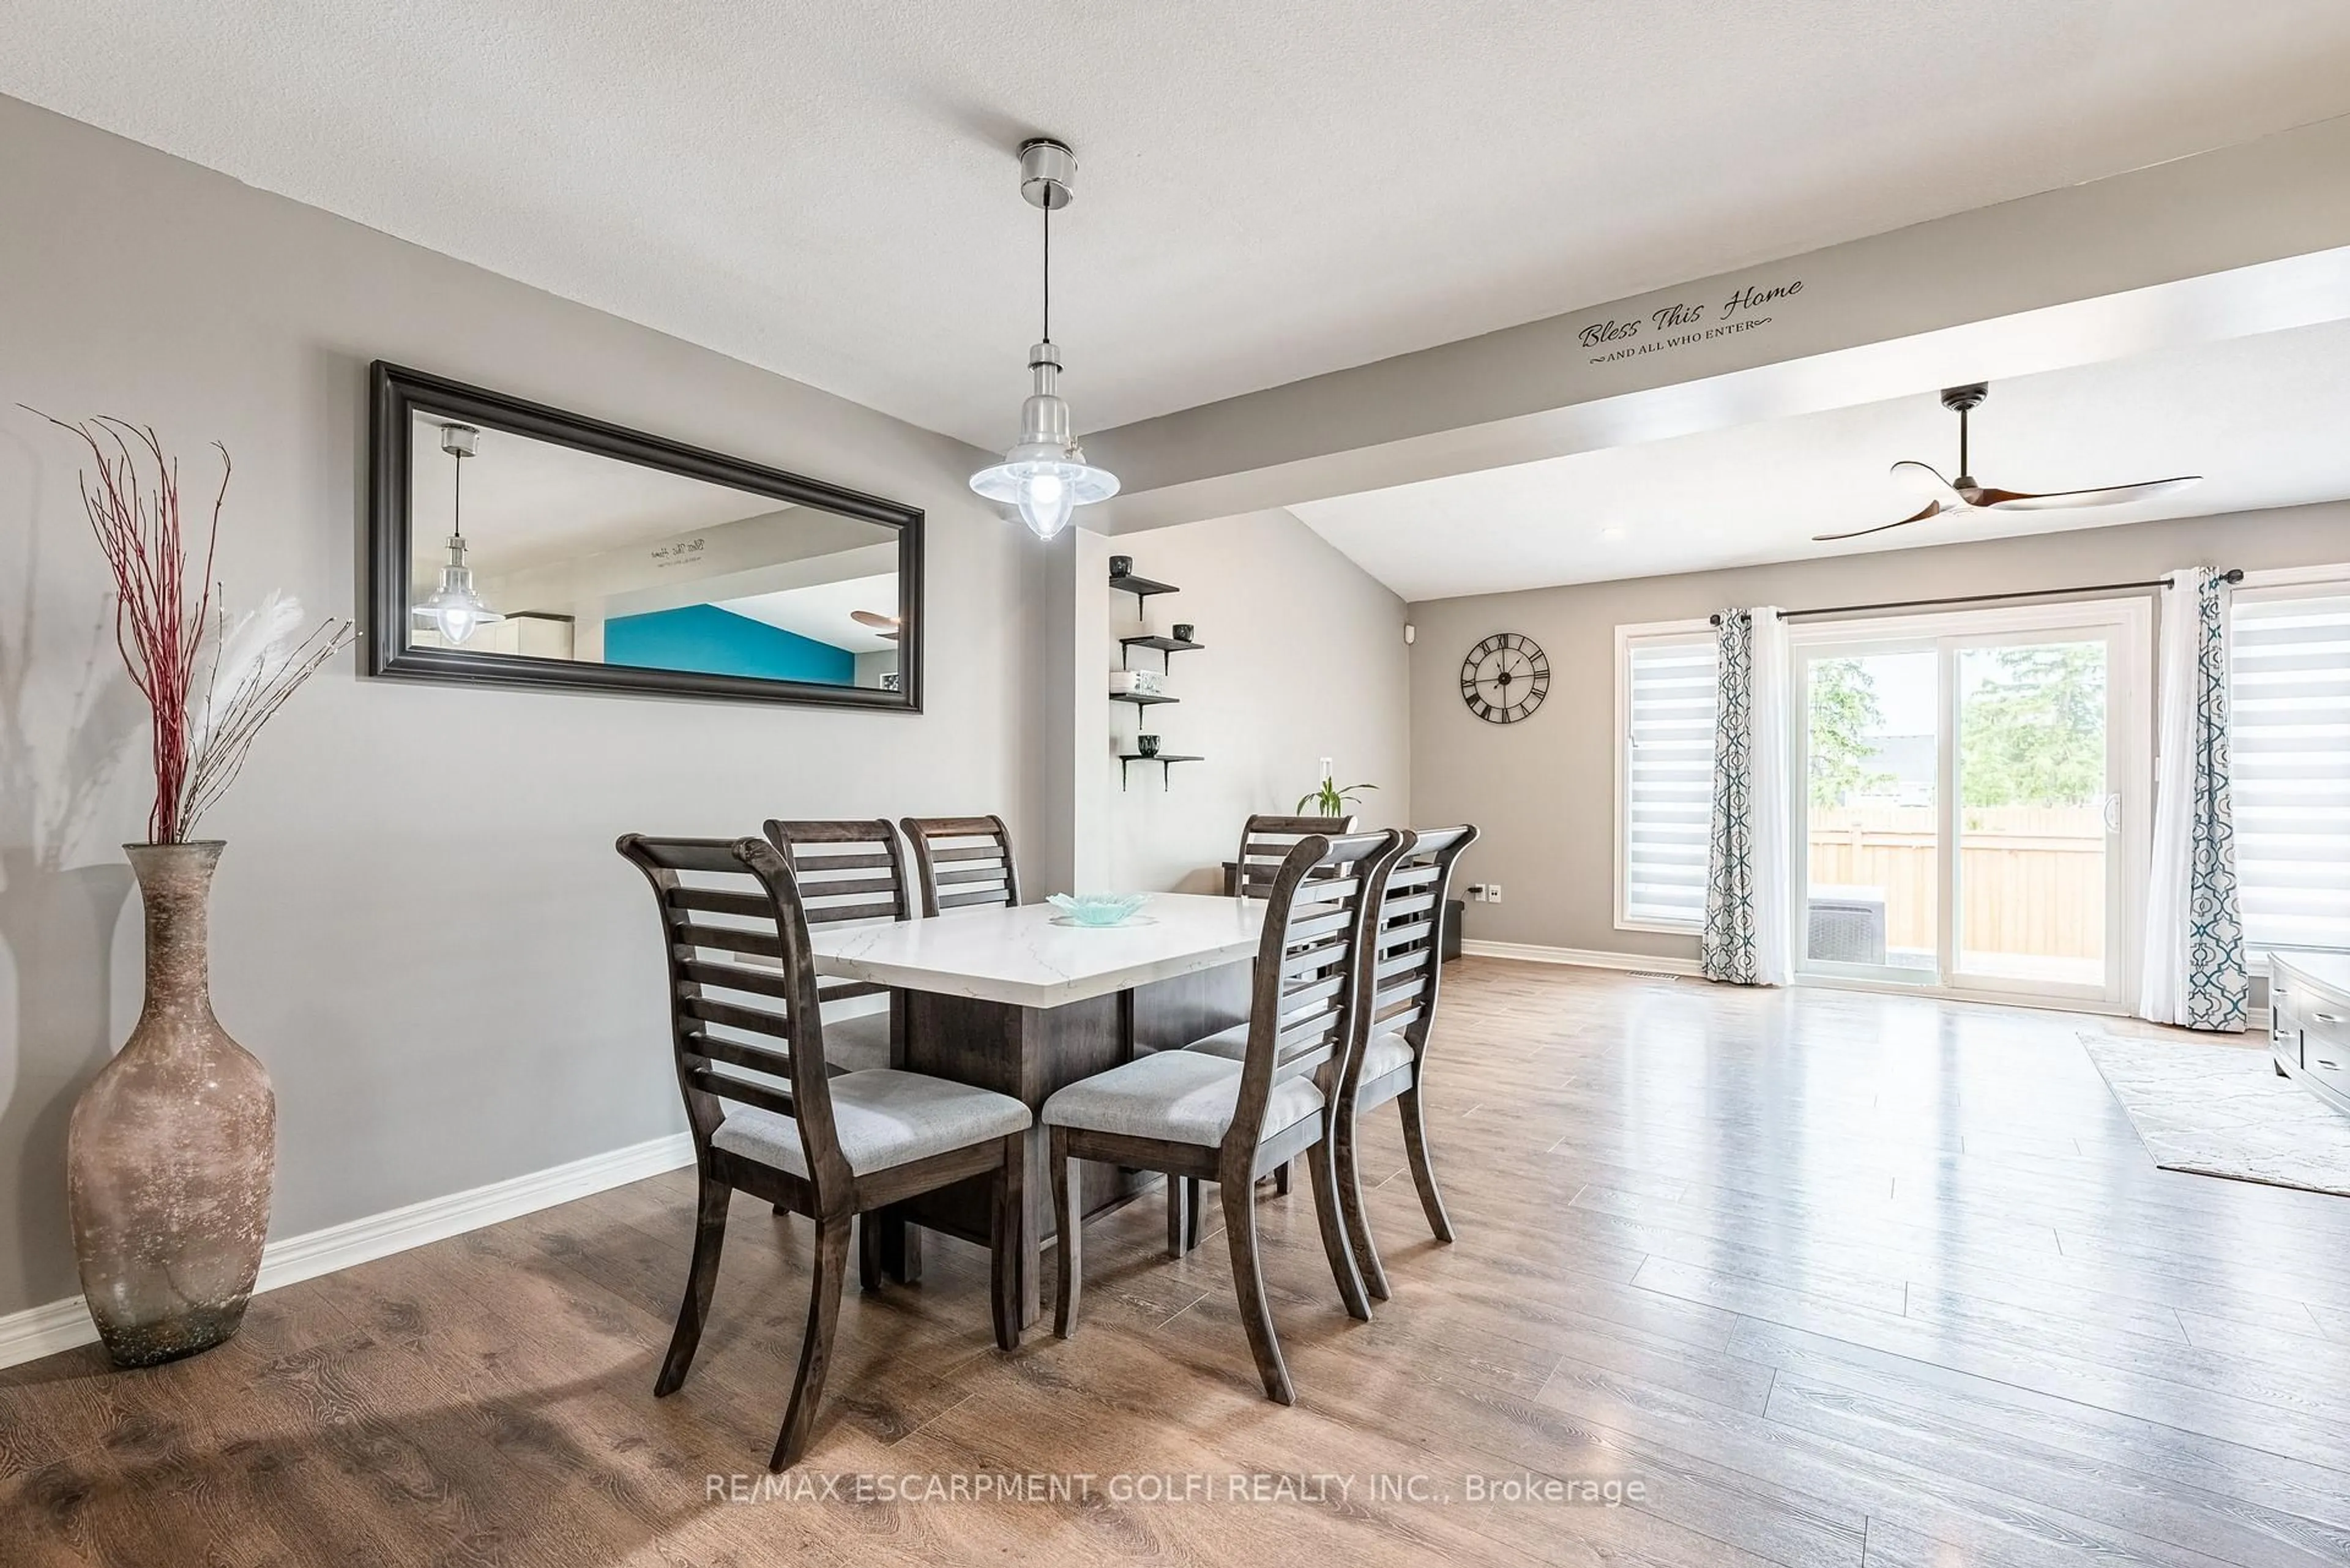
(2127, 621)
(2269, 585)
(1668, 632)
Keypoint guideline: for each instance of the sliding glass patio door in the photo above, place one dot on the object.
(1969, 804)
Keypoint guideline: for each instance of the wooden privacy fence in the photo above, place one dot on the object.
(2032, 878)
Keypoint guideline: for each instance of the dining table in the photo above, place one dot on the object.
(1022, 1000)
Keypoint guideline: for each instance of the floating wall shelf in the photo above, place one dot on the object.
(1169, 646)
(1140, 588)
(1143, 588)
(1164, 758)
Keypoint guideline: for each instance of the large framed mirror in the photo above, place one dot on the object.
(513, 544)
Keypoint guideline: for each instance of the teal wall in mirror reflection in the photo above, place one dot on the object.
(710, 641)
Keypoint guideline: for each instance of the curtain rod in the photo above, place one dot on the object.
(2233, 575)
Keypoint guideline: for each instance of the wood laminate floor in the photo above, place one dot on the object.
(1835, 1278)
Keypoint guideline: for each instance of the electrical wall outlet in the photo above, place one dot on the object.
(1493, 892)
(1476, 891)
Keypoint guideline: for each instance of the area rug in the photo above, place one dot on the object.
(2222, 1110)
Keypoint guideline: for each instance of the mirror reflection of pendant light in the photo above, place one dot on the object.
(1045, 475)
(454, 609)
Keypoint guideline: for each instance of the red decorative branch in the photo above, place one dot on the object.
(133, 502)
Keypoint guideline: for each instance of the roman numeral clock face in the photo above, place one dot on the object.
(1505, 678)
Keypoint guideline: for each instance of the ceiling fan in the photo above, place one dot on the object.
(887, 625)
(1964, 492)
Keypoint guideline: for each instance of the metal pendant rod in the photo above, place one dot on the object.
(2233, 575)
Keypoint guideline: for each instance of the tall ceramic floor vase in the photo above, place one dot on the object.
(173, 1145)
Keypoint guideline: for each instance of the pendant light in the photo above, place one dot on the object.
(454, 609)
(1045, 475)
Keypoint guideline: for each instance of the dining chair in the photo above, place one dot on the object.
(833, 1149)
(1265, 841)
(1402, 968)
(1184, 1216)
(848, 871)
(962, 861)
(1191, 1114)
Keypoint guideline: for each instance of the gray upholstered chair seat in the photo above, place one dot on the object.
(1230, 1044)
(1177, 1096)
(1383, 1056)
(884, 1118)
(856, 1041)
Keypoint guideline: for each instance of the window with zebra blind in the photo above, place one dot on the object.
(1664, 774)
(2290, 748)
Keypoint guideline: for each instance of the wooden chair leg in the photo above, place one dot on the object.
(1248, 1285)
(701, 1284)
(1347, 1162)
(1415, 1149)
(1068, 1221)
(901, 1248)
(1004, 1264)
(870, 1227)
(1334, 1244)
(1185, 1218)
(831, 1258)
(1281, 1179)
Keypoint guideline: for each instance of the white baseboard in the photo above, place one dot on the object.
(45, 1330)
(1584, 957)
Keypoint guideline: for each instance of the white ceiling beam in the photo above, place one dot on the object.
(2250, 238)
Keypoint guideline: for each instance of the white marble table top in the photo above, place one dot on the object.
(1019, 956)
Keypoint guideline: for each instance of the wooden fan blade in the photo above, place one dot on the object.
(1925, 479)
(875, 619)
(1933, 509)
(2105, 496)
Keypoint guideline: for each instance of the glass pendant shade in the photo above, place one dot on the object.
(1046, 490)
(453, 609)
(1044, 475)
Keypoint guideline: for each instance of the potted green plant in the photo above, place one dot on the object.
(1331, 798)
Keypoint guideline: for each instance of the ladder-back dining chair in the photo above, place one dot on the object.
(743, 1001)
(1265, 841)
(849, 872)
(1403, 967)
(1194, 1116)
(962, 862)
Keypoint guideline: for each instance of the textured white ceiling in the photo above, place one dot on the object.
(2260, 418)
(1270, 189)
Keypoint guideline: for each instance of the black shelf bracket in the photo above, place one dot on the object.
(1166, 769)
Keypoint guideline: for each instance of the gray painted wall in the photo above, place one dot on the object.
(420, 925)
(1304, 660)
(1544, 791)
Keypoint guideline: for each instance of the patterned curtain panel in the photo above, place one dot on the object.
(1746, 890)
(2194, 969)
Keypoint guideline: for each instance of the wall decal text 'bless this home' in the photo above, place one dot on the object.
(1688, 323)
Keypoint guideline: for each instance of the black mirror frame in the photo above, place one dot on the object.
(399, 393)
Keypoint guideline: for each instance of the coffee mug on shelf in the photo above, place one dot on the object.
(1183, 631)
(1146, 744)
(1121, 566)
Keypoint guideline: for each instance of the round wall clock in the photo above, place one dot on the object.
(1504, 678)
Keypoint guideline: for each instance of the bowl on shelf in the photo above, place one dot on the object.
(1098, 909)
